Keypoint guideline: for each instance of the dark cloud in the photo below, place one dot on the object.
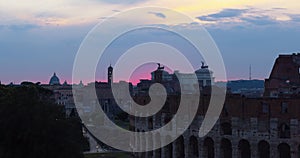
(225, 13)
(160, 15)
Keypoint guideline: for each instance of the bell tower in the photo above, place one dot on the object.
(110, 75)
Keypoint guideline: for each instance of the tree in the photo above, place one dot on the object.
(32, 126)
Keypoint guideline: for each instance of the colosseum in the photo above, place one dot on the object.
(260, 127)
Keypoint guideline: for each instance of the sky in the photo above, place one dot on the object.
(38, 38)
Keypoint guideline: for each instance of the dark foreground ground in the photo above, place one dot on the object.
(108, 155)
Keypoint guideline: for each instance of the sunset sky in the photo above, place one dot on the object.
(38, 38)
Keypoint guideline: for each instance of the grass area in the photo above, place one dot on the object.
(108, 155)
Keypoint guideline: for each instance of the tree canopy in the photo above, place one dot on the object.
(32, 126)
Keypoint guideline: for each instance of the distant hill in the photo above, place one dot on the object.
(238, 85)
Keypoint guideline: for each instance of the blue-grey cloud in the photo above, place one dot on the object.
(295, 17)
(122, 1)
(241, 14)
(48, 15)
(23, 27)
(20, 27)
(106, 18)
(160, 15)
(225, 13)
(278, 8)
(262, 20)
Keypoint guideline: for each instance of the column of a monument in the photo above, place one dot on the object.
(274, 151)
(164, 136)
(186, 146)
(163, 152)
(298, 152)
(217, 148)
(147, 145)
(143, 145)
(201, 151)
(293, 150)
(254, 149)
(146, 137)
(173, 152)
(154, 137)
(235, 149)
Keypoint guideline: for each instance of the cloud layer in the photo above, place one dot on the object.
(250, 16)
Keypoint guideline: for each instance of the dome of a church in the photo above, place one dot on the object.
(54, 80)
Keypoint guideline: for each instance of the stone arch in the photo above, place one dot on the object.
(284, 150)
(226, 148)
(179, 147)
(284, 131)
(209, 150)
(193, 147)
(168, 150)
(263, 149)
(157, 144)
(226, 128)
(244, 149)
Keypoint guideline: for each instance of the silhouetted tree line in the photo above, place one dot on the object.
(33, 126)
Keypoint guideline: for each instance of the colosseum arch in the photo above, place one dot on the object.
(244, 149)
(209, 151)
(193, 147)
(179, 147)
(226, 148)
(263, 149)
(284, 150)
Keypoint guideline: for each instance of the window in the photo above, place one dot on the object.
(265, 108)
(226, 129)
(284, 107)
(208, 82)
(284, 131)
(201, 83)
